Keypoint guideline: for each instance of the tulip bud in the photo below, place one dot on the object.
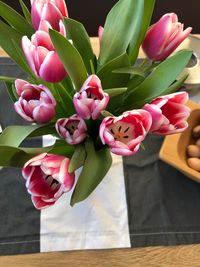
(91, 99)
(73, 129)
(47, 178)
(125, 133)
(100, 32)
(41, 56)
(169, 113)
(164, 37)
(50, 10)
(35, 103)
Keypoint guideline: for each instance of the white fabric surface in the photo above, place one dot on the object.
(99, 222)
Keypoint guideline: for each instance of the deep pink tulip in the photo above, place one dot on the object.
(91, 99)
(47, 178)
(35, 103)
(42, 58)
(169, 113)
(73, 129)
(51, 10)
(125, 133)
(164, 37)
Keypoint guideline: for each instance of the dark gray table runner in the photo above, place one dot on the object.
(19, 221)
(163, 204)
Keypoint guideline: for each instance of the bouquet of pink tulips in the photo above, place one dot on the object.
(93, 106)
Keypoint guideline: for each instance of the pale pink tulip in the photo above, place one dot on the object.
(35, 103)
(125, 133)
(47, 178)
(164, 37)
(91, 99)
(73, 129)
(169, 113)
(42, 58)
(51, 10)
(100, 32)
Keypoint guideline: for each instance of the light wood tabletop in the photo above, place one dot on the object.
(173, 256)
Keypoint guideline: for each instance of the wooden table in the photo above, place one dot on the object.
(176, 256)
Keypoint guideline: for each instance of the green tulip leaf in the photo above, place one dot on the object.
(116, 91)
(110, 79)
(97, 164)
(26, 12)
(15, 135)
(78, 158)
(11, 156)
(15, 20)
(11, 91)
(131, 70)
(70, 58)
(77, 33)
(137, 39)
(117, 36)
(176, 85)
(159, 79)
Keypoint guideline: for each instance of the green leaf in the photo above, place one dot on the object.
(11, 156)
(159, 79)
(110, 79)
(96, 166)
(16, 157)
(137, 39)
(122, 22)
(77, 33)
(131, 70)
(11, 91)
(15, 20)
(64, 99)
(10, 41)
(14, 135)
(7, 79)
(78, 158)
(106, 113)
(116, 91)
(176, 85)
(26, 12)
(70, 58)
(134, 82)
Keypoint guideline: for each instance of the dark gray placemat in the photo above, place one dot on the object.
(19, 220)
(163, 204)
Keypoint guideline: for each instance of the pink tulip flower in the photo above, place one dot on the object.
(125, 133)
(73, 129)
(42, 58)
(91, 99)
(51, 10)
(169, 113)
(47, 178)
(164, 37)
(35, 103)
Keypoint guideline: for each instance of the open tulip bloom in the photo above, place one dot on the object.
(93, 105)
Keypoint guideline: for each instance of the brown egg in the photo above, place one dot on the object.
(194, 163)
(193, 151)
(198, 142)
(196, 131)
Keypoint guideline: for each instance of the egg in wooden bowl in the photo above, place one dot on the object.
(182, 150)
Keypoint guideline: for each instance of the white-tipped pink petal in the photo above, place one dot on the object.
(50, 73)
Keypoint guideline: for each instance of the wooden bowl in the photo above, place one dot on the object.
(173, 150)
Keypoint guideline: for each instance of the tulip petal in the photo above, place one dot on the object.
(43, 113)
(52, 70)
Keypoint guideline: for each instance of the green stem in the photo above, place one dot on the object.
(144, 62)
(92, 67)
